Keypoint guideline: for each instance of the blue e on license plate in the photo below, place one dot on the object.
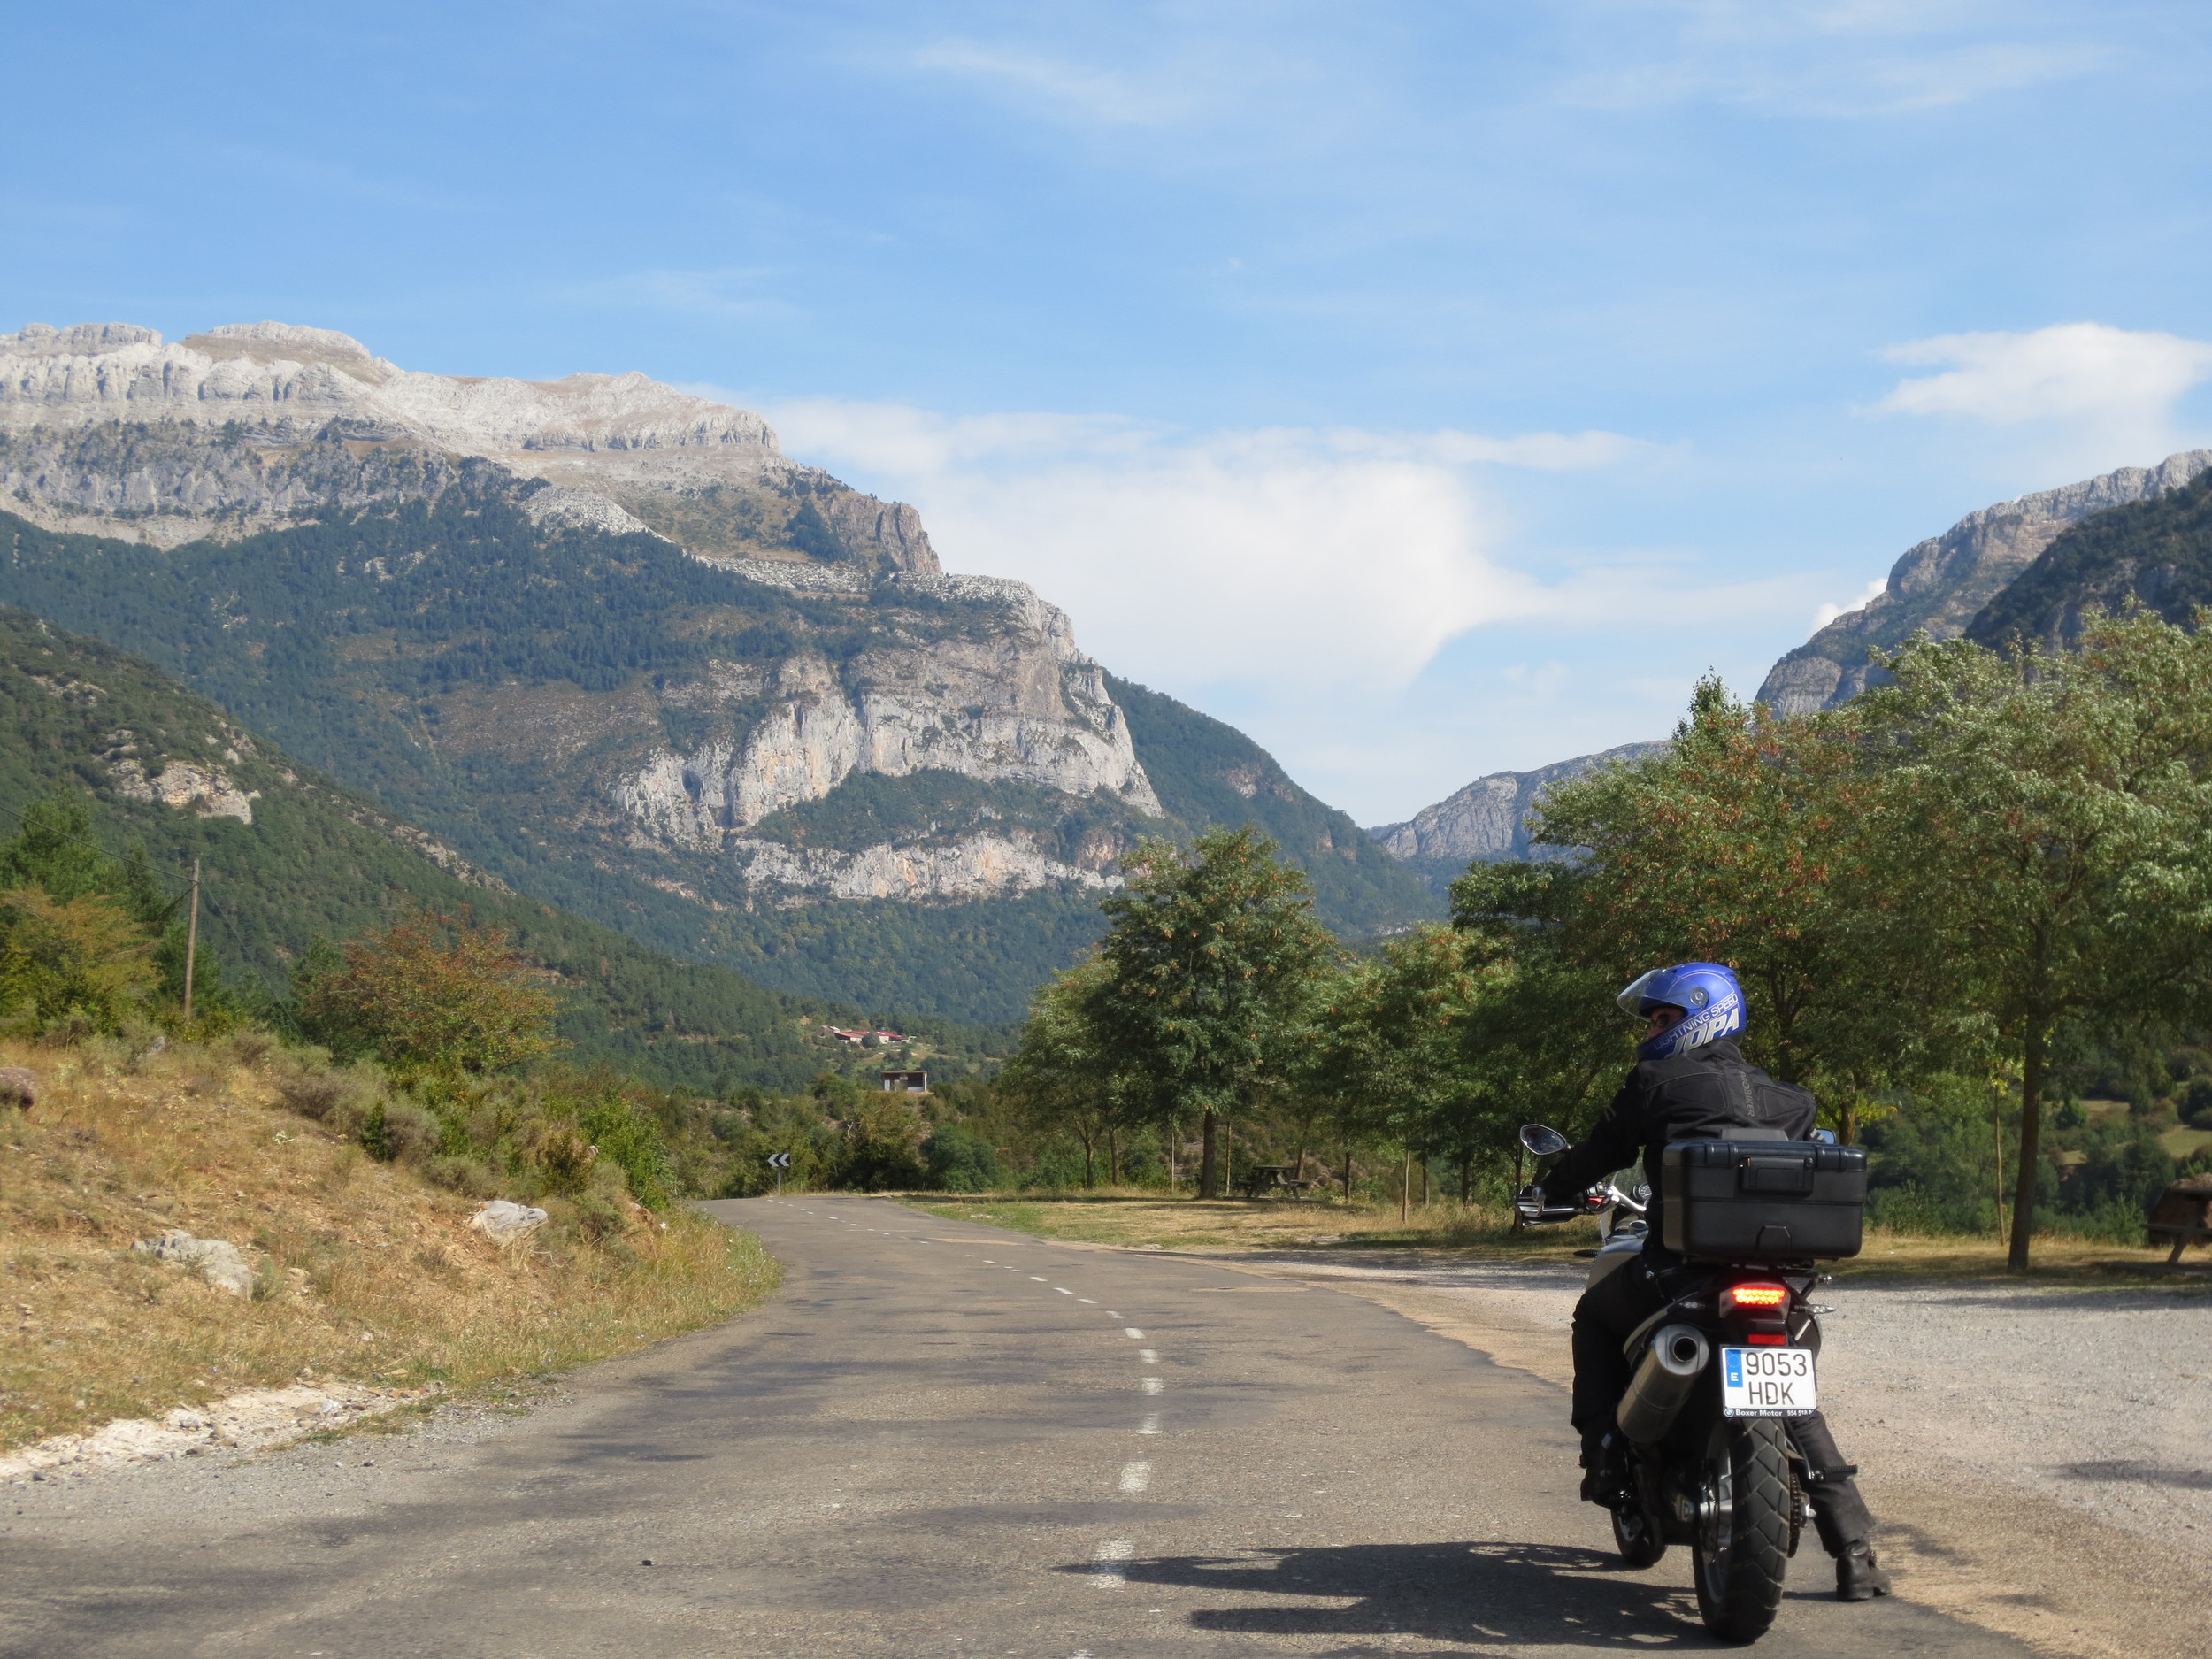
(1767, 1382)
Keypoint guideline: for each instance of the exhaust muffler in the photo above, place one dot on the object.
(1661, 1387)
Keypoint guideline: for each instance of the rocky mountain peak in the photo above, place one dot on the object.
(1942, 583)
(705, 474)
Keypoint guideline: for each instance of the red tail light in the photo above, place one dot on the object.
(1756, 1299)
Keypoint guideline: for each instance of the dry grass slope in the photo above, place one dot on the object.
(364, 1272)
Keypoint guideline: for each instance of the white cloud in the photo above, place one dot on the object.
(1314, 563)
(1828, 612)
(1069, 89)
(2106, 395)
(1296, 566)
(1830, 58)
(727, 293)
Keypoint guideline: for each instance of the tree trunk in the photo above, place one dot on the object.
(1347, 1172)
(1113, 1159)
(1424, 1181)
(1209, 1156)
(1090, 1161)
(1467, 1181)
(1405, 1189)
(2031, 1062)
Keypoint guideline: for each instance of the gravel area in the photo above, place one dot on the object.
(2040, 1459)
(2100, 1400)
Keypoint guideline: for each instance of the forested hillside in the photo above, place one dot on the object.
(289, 855)
(497, 682)
(2156, 552)
(1208, 772)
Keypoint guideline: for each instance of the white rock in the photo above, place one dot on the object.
(973, 867)
(503, 1221)
(182, 784)
(582, 510)
(1023, 705)
(250, 1421)
(220, 1262)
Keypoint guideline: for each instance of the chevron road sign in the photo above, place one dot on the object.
(779, 1162)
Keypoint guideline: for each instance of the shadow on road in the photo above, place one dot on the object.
(1492, 1594)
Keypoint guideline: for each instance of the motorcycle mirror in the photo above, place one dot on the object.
(1542, 1140)
(1826, 1136)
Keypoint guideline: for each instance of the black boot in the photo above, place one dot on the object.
(1605, 1477)
(1857, 1576)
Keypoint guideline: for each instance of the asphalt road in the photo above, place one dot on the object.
(938, 1441)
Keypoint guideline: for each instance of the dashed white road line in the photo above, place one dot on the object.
(1129, 1331)
(1151, 1423)
(1148, 1356)
(1106, 1570)
(1135, 1476)
(1152, 1385)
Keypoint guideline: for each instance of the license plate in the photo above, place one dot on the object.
(1767, 1382)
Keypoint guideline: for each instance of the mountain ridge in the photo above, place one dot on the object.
(628, 658)
(1942, 583)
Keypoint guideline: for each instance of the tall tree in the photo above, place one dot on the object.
(1062, 1074)
(1750, 843)
(1209, 960)
(2048, 827)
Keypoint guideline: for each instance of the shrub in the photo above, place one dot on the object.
(430, 995)
(961, 1163)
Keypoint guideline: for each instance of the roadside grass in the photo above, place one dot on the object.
(365, 1274)
(1146, 1220)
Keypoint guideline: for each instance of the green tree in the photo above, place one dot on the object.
(1752, 842)
(431, 994)
(2046, 822)
(1209, 959)
(1060, 1076)
(89, 957)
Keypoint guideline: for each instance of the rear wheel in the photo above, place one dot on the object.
(1743, 1527)
(1637, 1535)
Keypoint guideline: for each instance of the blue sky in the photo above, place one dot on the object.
(1429, 389)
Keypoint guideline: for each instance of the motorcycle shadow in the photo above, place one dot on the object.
(1491, 1593)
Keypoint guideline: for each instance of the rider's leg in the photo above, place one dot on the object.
(1608, 1311)
(1839, 1514)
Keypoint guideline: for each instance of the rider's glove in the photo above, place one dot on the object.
(1529, 1204)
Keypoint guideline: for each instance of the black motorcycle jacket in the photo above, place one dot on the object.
(1707, 1094)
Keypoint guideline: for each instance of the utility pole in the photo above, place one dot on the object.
(191, 941)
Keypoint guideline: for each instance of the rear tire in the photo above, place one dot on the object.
(1637, 1536)
(1743, 1527)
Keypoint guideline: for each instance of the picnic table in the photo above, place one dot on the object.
(2179, 1214)
(1263, 1178)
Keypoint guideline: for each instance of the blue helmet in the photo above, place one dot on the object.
(1711, 1002)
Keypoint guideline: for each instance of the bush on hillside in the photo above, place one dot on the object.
(430, 995)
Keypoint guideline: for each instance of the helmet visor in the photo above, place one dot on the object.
(1642, 989)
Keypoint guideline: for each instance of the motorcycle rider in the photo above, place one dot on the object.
(1689, 1082)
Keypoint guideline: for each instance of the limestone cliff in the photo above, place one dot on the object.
(1940, 584)
(1020, 705)
(1489, 819)
(111, 430)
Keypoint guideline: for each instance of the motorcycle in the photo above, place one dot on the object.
(1716, 1377)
